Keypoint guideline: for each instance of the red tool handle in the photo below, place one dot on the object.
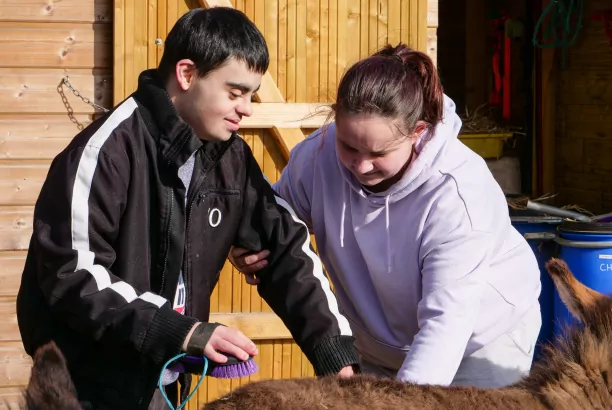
(506, 105)
(606, 17)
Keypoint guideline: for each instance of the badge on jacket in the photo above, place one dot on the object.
(214, 217)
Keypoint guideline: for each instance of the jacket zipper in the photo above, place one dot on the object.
(163, 278)
(186, 250)
(198, 195)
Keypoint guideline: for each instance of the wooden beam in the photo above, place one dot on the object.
(432, 13)
(43, 136)
(255, 325)
(16, 369)
(53, 45)
(287, 138)
(215, 3)
(11, 266)
(286, 116)
(17, 364)
(549, 103)
(35, 90)
(268, 92)
(12, 397)
(69, 11)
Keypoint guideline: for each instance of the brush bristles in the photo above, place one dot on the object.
(235, 370)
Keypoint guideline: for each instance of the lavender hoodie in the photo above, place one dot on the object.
(428, 271)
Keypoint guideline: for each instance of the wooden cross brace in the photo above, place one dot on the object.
(286, 138)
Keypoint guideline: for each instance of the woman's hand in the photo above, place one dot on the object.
(248, 263)
(346, 372)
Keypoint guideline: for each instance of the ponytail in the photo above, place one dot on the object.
(422, 65)
(395, 82)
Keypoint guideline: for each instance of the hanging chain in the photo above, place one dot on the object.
(65, 81)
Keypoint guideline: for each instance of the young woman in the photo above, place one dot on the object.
(414, 231)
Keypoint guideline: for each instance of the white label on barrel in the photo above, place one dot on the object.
(605, 256)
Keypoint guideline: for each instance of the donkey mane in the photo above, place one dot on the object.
(573, 369)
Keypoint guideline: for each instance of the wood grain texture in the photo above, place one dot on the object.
(55, 45)
(87, 11)
(35, 90)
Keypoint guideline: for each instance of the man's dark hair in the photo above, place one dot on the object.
(210, 37)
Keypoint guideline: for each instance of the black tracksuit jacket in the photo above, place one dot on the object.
(112, 231)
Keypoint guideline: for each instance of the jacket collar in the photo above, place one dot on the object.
(176, 140)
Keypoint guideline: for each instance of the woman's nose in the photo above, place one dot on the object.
(362, 165)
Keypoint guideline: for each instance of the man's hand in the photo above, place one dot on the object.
(248, 263)
(229, 340)
(222, 339)
(346, 372)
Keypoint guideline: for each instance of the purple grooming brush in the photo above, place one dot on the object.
(233, 368)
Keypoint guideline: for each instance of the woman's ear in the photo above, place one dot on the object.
(418, 130)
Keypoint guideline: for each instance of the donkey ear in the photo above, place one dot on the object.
(50, 386)
(578, 298)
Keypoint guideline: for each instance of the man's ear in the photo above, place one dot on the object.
(185, 73)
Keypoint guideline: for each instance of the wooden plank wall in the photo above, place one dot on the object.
(311, 43)
(583, 142)
(40, 43)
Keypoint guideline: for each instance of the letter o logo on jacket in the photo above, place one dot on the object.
(214, 217)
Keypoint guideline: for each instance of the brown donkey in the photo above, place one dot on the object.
(572, 375)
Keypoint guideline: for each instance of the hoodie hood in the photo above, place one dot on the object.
(429, 149)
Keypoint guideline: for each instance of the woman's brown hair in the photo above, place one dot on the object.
(396, 83)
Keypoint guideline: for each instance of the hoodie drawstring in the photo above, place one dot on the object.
(343, 216)
(388, 233)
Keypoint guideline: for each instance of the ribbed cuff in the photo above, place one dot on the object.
(166, 334)
(200, 337)
(332, 355)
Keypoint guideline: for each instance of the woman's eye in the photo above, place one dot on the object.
(348, 147)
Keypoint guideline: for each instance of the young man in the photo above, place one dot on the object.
(138, 214)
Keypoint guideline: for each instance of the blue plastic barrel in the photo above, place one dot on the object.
(540, 232)
(586, 247)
